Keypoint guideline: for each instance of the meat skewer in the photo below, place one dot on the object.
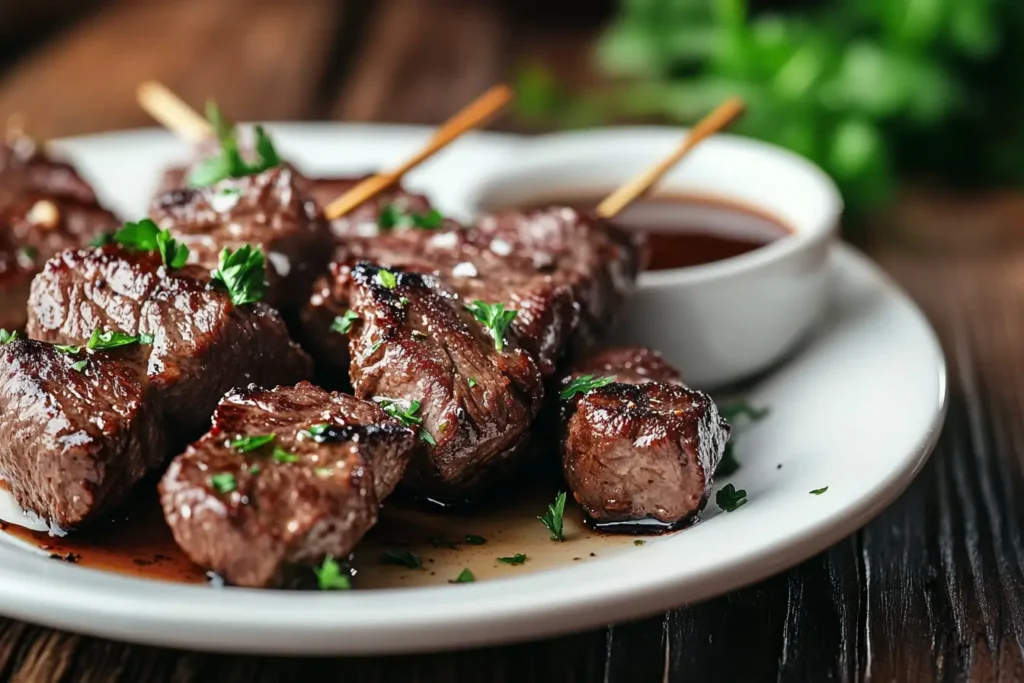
(639, 449)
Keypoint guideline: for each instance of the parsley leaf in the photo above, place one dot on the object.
(78, 366)
(639, 541)
(583, 384)
(394, 216)
(223, 482)
(247, 444)
(317, 430)
(518, 558)
(173, 253)
(553, 518)
(818, 492)
(140, 236)
(402, 558)
(475, 540)
(283, 456)
(329, 576)
(66, 348)
(228, 161)
(471, 382)
(386, 278)
(7, 337)
(405, 412)
(103, 341)
(343, 323)
(102, 239)
(242, 272)
(495, 318)
(465, 576)
(729, 498)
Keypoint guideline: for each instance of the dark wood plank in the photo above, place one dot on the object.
(261, 59)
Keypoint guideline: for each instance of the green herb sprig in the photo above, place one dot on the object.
(330, 577)
(518, 558)
(145, 235)
(343, 323)
(553, 518)
(247, 444)
(223, 482)
(243, 273)
(393, 216)
(495, 318)
(405, 412)
(7, 337)
(111, 339)
(583, 384)
(729, 498)
(228, 162)
(465, 576)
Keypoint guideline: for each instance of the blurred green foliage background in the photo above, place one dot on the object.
(871, 90)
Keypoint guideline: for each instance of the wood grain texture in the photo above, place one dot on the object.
(932, 590)
(85, 80)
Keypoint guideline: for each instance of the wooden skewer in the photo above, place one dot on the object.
(172, 113)
(636, 187)
(475, 114)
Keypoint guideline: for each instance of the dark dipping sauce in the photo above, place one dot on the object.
(691, 230)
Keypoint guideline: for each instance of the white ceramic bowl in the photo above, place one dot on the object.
(733, 317)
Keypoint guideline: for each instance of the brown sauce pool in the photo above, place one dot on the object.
(140, 543)
(690, 230)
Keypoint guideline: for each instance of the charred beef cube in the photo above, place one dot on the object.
(597, 261)
(637, 445)
(26, 168)
(32, 230)
(285, 477)
(470, 391)
(203, 345)
(77, 429)
(267, 210)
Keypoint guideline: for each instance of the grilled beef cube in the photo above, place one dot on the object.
(364, 220)
(203, 345)
(418, 351)
(268, 210)
(25, 168)
(311, 492)
(642, 448)
(73, 442)
(33, 229)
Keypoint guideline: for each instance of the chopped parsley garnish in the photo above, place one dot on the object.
(223, 482)
(405, 412)
(518, 558)
(255, 469)
(465, 576)
(80, 365)
(729, 498)
(472, 382)
(583, 384)
(818, 492)
(404, 301)
(317, 430)
(228, 161)
(329, 576)
(393, 216)
(103, 341)
(425, 437)
(172, 253)
(475, 540)
(66, 348)
(7, 337)
(553, 518)
(283, 456)
(376, 345)
(139, 236)
(343, 323)
(402, 558)
(102, 239)
(387, 279)
(247, 444)
(243, 273)
(639, 541)
(495, 318)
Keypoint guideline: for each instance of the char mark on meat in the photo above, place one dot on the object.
(268, 210)
(417, 350)
(203, 345)
(311, 492)
(642, 448)
(78, 429)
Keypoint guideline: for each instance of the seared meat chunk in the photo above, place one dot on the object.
(566, 275)
(203, 345)
(26, 168)
(33, 229)
(639, 446)
(268, 210)
(416, 349)
(78, 429)
(249, 510)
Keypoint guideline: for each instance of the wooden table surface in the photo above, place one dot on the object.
(931, 590)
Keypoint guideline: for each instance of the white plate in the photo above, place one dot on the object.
(857, 409)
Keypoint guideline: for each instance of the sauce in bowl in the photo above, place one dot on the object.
(690, 230)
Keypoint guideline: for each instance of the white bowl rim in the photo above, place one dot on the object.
(801, 238)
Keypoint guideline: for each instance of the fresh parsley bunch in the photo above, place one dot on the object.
(228, 162)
